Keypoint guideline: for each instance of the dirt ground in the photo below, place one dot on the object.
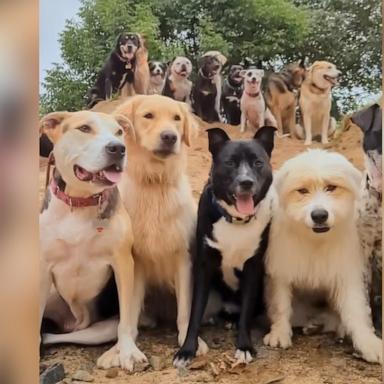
(316, 359)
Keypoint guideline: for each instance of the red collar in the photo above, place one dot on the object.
(79, 202)
(253, 94)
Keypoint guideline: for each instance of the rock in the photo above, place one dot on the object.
(81, 375)
(112, 373)
(53, 374)
(156, 362)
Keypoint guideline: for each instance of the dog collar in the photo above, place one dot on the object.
(318, 88)
(372, 191)
(221, 212)
(253, 94)
(79, 202)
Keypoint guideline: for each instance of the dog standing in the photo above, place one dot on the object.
(370, 207)
(126, 70)
(86, 233)
(316, 100)
(157, 71)
(177, 85)
(231, 95)
(314, 246)
(206, 92)
(281, 95)
(254, 111)
(232, 234)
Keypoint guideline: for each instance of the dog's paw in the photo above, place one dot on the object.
(203, 348)
(243, 356)
(183, 357)
(278, 338)
(307, 142)
(371, 350)
(121, 356)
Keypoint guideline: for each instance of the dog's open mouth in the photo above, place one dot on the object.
(332, 80)
(183, 73)
(107, 176)
(244, 203)
(320, 229)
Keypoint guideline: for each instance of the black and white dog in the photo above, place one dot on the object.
(370, 209)
(157, 72)
(232, 234)
(231, 95)
(206, 92)
(117, 70)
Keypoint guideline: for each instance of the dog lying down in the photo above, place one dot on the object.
(314, 246)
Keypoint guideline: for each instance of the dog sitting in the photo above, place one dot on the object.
(177, 85)
(126, 70)
(231, 95)
(206, 92)
(157, 71)
(253, 108)
(232, 234)
(85, 230)
(370, 207)
(314, 247)
(316, 100)
(281, 95)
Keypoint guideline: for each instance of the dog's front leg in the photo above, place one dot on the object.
(307, 121)
(108, 89)
(125, 353)
(243, 122)
(355, 314)
(324, 129)
(279, 306)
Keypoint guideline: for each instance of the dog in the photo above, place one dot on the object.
(232, 234)
(314, 246)
(281, 95)
(157, 72)
(231, 95)
(370, 207)
(254, 111)
(206, 92)
(315, 102)
(177, 85)
(126, 70)
(86, 233)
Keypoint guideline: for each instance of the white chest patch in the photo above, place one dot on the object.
(239, 242)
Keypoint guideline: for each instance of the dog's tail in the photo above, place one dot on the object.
(98, 333)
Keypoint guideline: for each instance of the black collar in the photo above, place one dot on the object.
(372, 191)
(233, 87)
(219, 212)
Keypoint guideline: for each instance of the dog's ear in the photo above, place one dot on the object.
(222, 59)
(259, 64)
(265, 136)
(127, 126)
(366, 118)
(190, 127)
(301, 63)
(243, 72)
(51, 125)
(217, 137)
(261, 71)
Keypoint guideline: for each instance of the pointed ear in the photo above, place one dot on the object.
(127, 126)
(217, 137)
(301, 63)
(265, 136)
(190, 126)
(51, 125)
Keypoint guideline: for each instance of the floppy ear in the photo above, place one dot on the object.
(217, 137)
(243, 72)
(118, 39)
(365, 119)
(127, 126)
(51, 125)
(265, 136)
(190, 126)
(222, 58)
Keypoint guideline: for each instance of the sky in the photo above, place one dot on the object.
(53, 14)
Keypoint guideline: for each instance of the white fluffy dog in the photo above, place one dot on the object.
(314, 246)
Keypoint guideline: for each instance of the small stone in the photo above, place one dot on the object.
(112, 373)
(81, 375)
(156, 362)
(53, 374)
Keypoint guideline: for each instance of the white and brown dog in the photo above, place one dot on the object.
(315, 102)
(86, 233)
(314, 247)
(254, 111)
(157, 72)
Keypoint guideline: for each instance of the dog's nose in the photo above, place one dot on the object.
(246, 184)
(319, 216)
(183, 67)
(115, 150)
(168, 137)
(216, 67)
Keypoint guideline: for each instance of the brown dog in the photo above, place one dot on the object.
(281, 95)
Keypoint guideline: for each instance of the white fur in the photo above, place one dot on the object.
(298, 258)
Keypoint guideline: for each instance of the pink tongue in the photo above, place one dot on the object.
(112, 176)
(244, 204)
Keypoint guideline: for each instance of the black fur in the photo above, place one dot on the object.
(225, 178)
(231, 95)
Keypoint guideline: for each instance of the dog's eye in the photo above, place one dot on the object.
(330, 188)
(119, 132)
(230, 163)
(85, 129)
(177, 117)
(257, 163)
(148, 116)
(303, 191)
(249, 74)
